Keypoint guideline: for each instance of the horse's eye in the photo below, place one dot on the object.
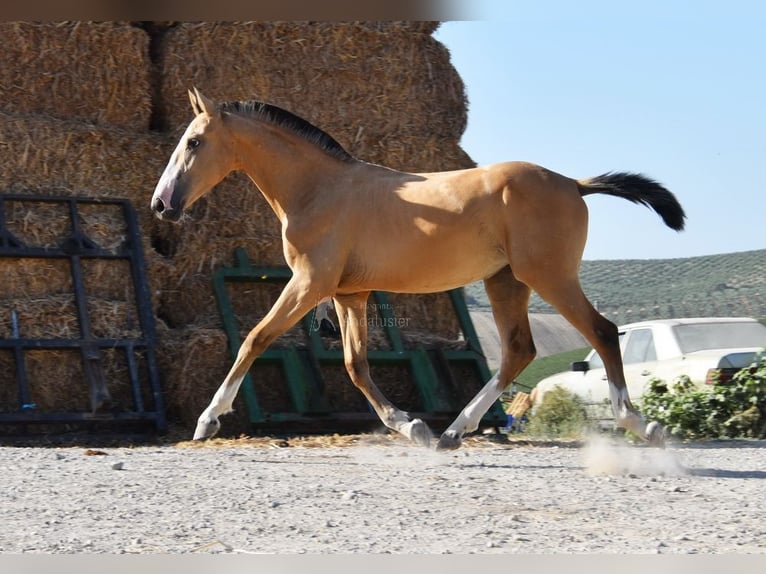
(192, 143)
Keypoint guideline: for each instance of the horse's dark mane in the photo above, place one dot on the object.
(281, 117)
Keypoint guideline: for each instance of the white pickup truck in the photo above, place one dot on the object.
(664, 349)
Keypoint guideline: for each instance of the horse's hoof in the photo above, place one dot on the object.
(206, 429)
(655, 434)
(450, 440)
(418, 432)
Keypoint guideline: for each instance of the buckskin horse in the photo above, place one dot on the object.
(517, 226)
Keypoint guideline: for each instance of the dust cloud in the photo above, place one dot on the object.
(604, 456)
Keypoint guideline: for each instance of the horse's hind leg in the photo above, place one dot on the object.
(566, 295)
(352, 318)
(509, 299)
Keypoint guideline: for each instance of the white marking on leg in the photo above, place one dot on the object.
(397, 420)
(223, 399)
(469, 418)
(221, 404)
(389, 415)
(626, 417)
(617, 398)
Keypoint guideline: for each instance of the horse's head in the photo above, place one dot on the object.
(202, 159)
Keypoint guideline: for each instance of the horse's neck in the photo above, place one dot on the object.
(287, 169)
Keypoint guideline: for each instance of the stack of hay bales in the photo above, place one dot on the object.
(95, 109)
(75, 106)
(85, 72)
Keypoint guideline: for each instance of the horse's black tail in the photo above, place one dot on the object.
(638, 189)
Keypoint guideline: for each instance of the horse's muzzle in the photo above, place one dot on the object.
(163, 211)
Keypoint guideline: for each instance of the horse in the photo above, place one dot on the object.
(350, 227)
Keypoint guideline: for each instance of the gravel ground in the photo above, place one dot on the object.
(378, 494)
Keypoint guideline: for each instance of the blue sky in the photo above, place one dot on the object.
(675, 90)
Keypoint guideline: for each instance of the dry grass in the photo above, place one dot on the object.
(389, 96)
(380, 439)
(86, 71)
(52, 156)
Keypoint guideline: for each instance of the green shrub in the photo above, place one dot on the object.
(735, 409)
(561, 414)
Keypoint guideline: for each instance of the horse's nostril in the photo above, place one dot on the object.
(159, 205)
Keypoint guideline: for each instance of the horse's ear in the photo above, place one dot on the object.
(205, 104)
(195, 102)
(200, 103)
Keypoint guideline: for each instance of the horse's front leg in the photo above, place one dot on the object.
(297, 298)
(352, 318)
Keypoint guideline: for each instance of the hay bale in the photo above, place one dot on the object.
(417, 26)
(55, 317)
(110, 299)
(47, 224)
(93, 72)
(371, 87)
(70, 392)
(108, 279)
(38, 223)
(467, 382)
(60, 157)
(192, 364)
(34, 277)
(104, 224)
(47, 156)
(48, 317)
(419, 154)
(41, 293)
(9, 395)
(425, 316)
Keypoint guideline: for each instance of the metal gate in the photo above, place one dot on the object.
(132, 350)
